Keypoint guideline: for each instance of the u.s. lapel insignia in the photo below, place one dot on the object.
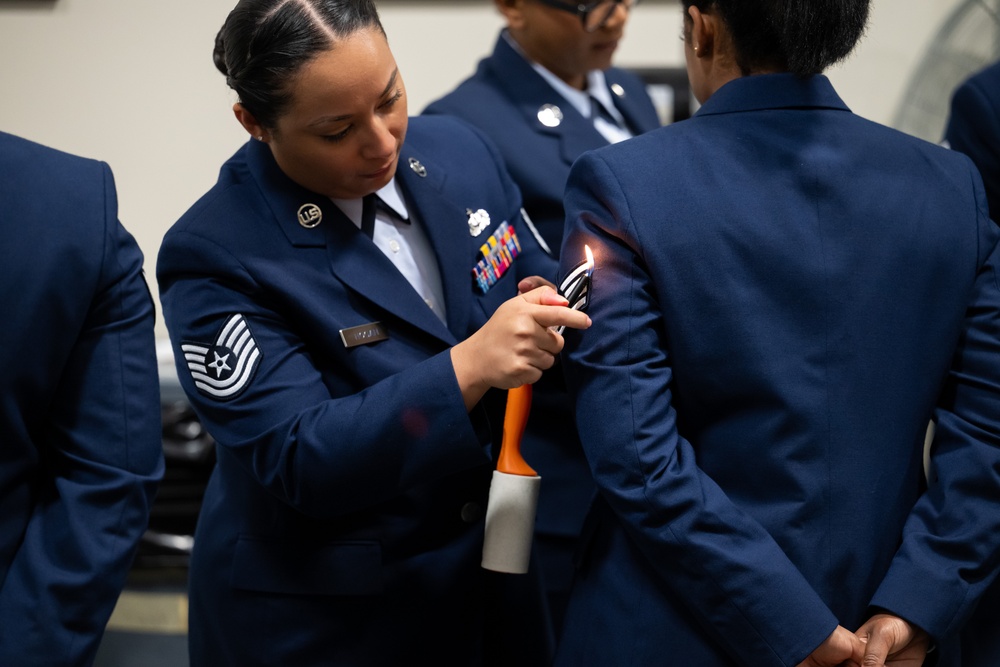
(419, 169)
(223, 369)
(478, 221)
(310, 215)
(550, 115)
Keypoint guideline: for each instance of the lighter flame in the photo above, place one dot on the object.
(590, 257)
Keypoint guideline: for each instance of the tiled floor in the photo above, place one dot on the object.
(149, 625)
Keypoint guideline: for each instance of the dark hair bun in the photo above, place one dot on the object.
(219, 53)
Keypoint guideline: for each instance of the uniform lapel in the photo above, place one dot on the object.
(637, 121)
(578, 134)
(446, 224)
(531, 92)
(634, 121)
(289, 202)
(354, 259)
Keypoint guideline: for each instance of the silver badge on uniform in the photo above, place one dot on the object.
(224, 368)
(550, 115)
(419, 169)
(310, 215)
(478, 221)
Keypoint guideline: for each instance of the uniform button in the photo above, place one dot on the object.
(471, 512)
(394, 245)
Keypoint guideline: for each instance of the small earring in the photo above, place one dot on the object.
(260, 137)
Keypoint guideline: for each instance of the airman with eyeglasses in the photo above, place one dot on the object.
(593, 15)
(569, 39)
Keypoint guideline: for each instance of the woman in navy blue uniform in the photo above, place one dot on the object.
(340, 305)
(785, 295)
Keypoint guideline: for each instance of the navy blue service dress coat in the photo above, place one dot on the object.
(785, 294)
(343, 524)
(974, 128)
(80, 448)
(503, 99)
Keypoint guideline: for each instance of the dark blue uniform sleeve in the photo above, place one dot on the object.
(102, 460)
(325, 452)
(951, 552)
(739, 582)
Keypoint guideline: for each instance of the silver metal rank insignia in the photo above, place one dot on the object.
(419, 169)
(550, 115)
(224, 368)
(478, 221)
(310, 215)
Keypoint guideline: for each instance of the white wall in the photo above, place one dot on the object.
(132, 81)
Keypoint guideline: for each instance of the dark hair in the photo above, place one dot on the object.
(799, 36)
(263, 43)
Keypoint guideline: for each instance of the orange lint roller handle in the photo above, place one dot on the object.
(510, 460)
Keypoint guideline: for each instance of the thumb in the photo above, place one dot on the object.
(857, 650)
(875, 650)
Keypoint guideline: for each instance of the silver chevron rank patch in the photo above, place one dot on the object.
(222, 370)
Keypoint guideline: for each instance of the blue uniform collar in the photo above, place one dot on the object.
(286, 198)
(597, 85)
(521, 82)
(355, 259)
(773, 91)
(529, 92)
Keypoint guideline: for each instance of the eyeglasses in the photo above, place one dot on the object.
(594, 15)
